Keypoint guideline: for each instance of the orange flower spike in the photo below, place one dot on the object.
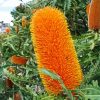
(94, 15)
(7, 29)
(87, 9)
(9, 83)
(18, 60)
(54, 49)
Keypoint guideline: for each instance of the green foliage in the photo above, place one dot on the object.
(88, 49)
(67, 5)
(75, 11)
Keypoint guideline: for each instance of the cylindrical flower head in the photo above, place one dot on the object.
(54, 49)
(94, 15)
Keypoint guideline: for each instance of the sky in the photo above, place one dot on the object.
(6, 6)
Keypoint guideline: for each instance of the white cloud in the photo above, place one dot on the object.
(1, 1)
(11, 3)
(5, 8)
(6, 17)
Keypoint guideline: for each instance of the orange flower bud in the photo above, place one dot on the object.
(9, 83)
(17, 96)
(18, 60)
(24, 21)
(7, 29)
(94, 15)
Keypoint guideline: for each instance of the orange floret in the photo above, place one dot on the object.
(94, 15)
(18, 60)
(54, 49)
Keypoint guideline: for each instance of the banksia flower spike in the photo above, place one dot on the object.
(9, 83)
(18, 60)
(94, 15)
(54, 49)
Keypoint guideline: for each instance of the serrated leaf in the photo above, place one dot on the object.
(51, 74)
(67, 5)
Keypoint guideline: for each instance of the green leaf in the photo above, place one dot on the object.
(92, 97)
(48, 98)
(92, 46)
(57, 77)
(1, 85)
(1, 70)
(67, 5)
(51, 74)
